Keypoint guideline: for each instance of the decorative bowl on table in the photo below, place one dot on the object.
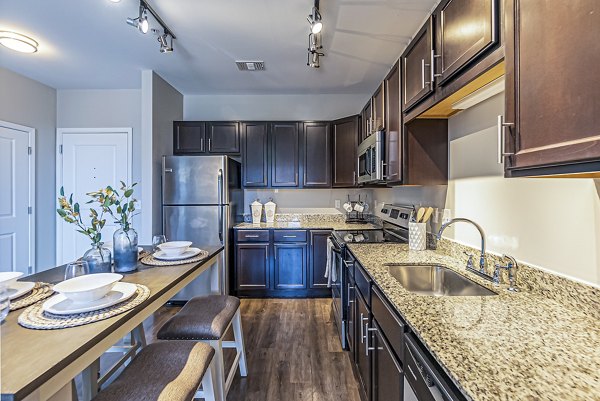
(88, 288)
(174, 248)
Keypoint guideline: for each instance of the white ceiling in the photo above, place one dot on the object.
(86, 44)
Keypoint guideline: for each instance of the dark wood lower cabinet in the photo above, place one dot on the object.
(387, 377)
(290, 266)
(252, 266)
(318, 258)
(362, 356)
(351, 317)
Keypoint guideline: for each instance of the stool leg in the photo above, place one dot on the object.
(139, 335)
(238, 334)
(219, 368)
(210, 385)
(89, 380)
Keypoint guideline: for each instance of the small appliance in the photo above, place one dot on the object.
(371, 159)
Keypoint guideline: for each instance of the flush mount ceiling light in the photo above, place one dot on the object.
(17, 42)
(142, 23)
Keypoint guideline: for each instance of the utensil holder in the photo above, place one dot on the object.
(417, 236)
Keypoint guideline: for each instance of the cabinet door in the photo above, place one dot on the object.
(378, 108)
(467, 29)
(223, 137)
(316, 139)
(252, 266)
(363, 359)
(255, 160)
(290, 266)
(351, 317)
(393, 126)
(318, 258)
(388, 378)
(284, 154)
(188, 137)
(416, 67)
(552, 84)
(365, 122)
(345, 144)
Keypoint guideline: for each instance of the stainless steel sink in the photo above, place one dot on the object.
(435, 280)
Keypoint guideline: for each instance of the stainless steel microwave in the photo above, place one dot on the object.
(371, 158)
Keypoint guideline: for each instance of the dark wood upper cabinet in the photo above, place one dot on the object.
(345, 145)
(467, 29)
(378, 109)
(426, 157)
(552, 87)
(393, 124)
(285, 141)
(189, 137)
(223, 137)
(316, 158)
(318, 258)
(365, 122)
(418, 76)
(255, 154)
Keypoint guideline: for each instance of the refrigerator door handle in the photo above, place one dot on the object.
(220, 189)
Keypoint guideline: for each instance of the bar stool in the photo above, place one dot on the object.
(166, 371)
(207, 319)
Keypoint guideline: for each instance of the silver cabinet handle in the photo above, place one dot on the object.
(202, 144)
(422, 73)
(289, 236)
(362, 335)
(349, 289)
(433, 74)
(250, 236)
(368, 347)
(502, 138)
(168, 170)
(209, 145)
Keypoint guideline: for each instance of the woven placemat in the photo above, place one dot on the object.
(150, 260)
(35, 318)
(39, 292)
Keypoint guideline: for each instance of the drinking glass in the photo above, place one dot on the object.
(157, 240)
(76, 269)
(4, 302)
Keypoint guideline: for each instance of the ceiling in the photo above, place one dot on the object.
(87, 44)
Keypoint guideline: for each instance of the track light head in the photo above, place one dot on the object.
(314, 59)
(165, 47)
(141, 22)
(314, 19)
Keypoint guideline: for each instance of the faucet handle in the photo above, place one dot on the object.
(470, 261)
(497, 278)
(512, 273)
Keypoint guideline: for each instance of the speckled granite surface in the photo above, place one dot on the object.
(307, 225)
(514, 346)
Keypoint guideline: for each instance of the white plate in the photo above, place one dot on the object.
(19, 288)
(190, 253)
(61, 305)
(89, 287)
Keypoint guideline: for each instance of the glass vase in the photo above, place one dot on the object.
(125, 247)
(98, 258)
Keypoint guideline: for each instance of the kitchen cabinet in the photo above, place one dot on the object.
(393, 126)
(285, 142)
(378, 109)
(417, 66)
(255, 154)
(189, 137)
(316, 155)
(552, 87)
(426, 157)
(290, 266)
(318, 258)
(366, 116)
(223, 137)
(388, 377)
(351, 313)
(363, 359)
(466, 30)
(252, 266)
(345, 145)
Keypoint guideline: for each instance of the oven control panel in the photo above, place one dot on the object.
(397, 214)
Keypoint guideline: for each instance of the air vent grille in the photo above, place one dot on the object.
(250, 65)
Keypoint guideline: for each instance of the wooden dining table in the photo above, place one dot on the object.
(40, 365)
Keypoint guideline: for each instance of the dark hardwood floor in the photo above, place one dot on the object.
(292, 349)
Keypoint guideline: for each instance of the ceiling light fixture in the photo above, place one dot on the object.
(314, 37)
(142, 23)
(16, 41)
(314, 19)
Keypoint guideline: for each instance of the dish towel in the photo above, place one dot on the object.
(330, 271)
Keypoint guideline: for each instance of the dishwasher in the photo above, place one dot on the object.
(423, 379)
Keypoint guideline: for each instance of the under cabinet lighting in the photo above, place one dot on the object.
(481, 94)
(17, 42)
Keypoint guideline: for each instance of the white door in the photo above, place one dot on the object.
(16, 196)
(88, 160)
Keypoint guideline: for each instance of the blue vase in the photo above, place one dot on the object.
(125, 248)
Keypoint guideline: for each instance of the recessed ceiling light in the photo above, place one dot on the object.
(16, 41)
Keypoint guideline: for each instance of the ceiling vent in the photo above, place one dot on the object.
(250, 65)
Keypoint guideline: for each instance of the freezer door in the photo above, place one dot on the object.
(194, 180)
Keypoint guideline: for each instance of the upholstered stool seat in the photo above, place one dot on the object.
(202, 318)
(207, 319)
(166, 371)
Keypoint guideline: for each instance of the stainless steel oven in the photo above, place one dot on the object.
(371, 159)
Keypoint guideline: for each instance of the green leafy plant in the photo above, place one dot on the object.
(123, 202)
(69, 211)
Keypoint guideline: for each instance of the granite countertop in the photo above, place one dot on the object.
(514, 346)
(311, 225)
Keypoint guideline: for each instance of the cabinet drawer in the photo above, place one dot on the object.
(253, 235)
(363, 282)
(392, 326)
(289, 236)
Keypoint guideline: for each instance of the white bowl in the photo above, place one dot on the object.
(88, 288)
(8, 279)
(174, 248)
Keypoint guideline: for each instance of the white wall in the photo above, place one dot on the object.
(27, 102)
(271, 107)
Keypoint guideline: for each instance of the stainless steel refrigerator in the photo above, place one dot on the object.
(202, 199)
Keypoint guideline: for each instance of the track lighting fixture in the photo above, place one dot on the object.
(314, 37)
(141, 22)
(314, 19)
